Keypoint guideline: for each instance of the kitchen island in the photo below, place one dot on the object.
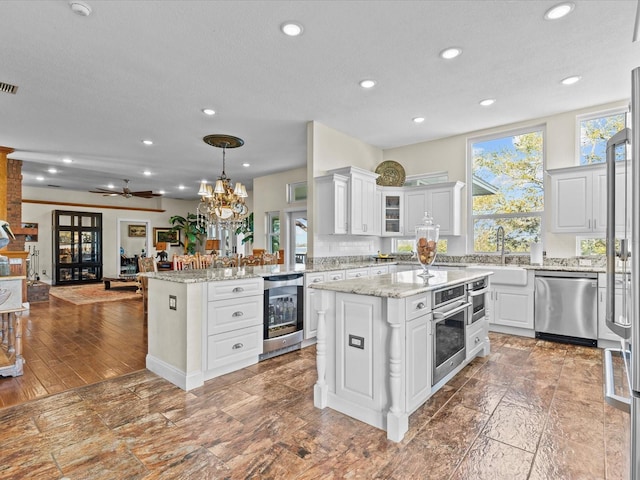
(376, 343)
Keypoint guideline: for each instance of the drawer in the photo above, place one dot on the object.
(233, 347)
(475, 334)
(418, 305)
(225, 289)
(226, 315)
(358, 273)
(379, 270)
(336, 275)
(311, 278)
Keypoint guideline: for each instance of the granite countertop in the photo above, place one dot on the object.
(401, 284)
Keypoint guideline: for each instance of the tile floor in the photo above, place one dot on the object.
(530, 410)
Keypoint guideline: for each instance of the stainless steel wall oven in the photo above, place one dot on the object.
(283, 314)
(476, 292)
(450, 316)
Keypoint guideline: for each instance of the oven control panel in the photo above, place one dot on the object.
(446, 295)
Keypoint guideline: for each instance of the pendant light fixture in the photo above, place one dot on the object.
(223, 204)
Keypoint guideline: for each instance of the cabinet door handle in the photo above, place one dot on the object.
(420, 306)
(237, 314)
(589, 223)
(237, 346)
(595, 224)
(238, 290)
(477, 340)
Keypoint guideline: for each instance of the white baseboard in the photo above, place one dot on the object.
(177, 377)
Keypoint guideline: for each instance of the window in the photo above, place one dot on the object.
(273, 232)
(296, 192)
(594, 132)
(508, 169)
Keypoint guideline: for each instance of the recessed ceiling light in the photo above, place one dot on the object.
(367, 83)
(147, 142)
(208, 111)
(291, 29)
(487, 101)
(559, 11)
(67, 160)
(147, 173)
(52, 170)
(571, 80)
(40, 178)
(80, 8)
(111, 185)
(161, 192)
(418, 119)
(450, 53)
(246, 165)
(181, 187)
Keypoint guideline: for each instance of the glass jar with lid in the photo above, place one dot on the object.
(426, 243)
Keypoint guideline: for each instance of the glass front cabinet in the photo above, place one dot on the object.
(77, 247)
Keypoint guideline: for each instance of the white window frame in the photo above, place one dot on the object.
(469, 166)
(590, 116)
(269, 232)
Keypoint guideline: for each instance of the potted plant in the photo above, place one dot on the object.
(191, 231)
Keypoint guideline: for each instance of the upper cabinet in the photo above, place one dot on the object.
(442, 200)
(392, 211)
(579, 199)
(348, 202)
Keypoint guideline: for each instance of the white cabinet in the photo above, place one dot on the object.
(442, 200)
(579, 199)
(604, 333)
(392, 211)
(511, 306)
(348, 202)
(332, 200)
(312, 298)
(476, 335)
(418, 358)
(234, 325)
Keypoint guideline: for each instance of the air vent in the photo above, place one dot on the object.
(8, 88)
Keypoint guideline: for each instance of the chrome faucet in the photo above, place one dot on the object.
(500, 243)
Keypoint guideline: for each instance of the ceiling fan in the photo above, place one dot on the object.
(126, 192)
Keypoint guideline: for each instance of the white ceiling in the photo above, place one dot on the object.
(91, 88)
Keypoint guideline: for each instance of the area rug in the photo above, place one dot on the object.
(91, 293)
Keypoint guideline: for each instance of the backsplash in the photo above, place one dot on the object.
(590, 261)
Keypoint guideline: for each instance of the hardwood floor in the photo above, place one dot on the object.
(530, 410)
(67, 346)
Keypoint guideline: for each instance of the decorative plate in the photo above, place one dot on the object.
(391, 174)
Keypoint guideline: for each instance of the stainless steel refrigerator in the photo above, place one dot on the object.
(623, 259)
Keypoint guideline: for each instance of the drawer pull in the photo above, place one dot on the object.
(237, 314)
(237, 346)
(238, 290)
(358, 275)
(317, 280)
(477, 340)
(337, 277)
(420, 306)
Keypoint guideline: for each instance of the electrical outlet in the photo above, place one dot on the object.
(44, 272)
(173, 302)
(583, 262)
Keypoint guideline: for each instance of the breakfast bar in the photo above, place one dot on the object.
(381, 340)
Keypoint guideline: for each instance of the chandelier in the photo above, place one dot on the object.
(222, 204)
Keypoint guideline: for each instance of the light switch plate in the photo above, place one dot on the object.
(173, 302)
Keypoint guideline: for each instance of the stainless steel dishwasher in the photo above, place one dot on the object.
(565, 307)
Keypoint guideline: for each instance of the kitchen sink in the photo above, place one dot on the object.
(504, 275)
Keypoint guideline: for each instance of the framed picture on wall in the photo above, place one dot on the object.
(137, 230)
(166, 235)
